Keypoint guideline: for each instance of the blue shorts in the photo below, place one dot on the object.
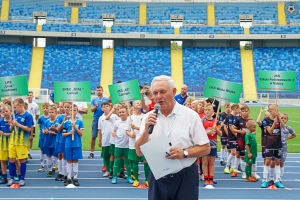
(73, 153)
(49, 151)
(41, 144)
(213, 152)
(94, 128)
(60, 148)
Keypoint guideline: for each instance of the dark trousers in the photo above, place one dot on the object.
(184, 186)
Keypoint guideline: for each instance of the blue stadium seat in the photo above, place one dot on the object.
(15, 59)
(17, 26)
(74, 28)
(71, 63)
(201, 63)
(143, 29)
(229, 13)
(160, 13)
(275, 30)
(142, 63)
(211, 30)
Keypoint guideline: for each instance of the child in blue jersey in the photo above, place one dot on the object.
(73, 151)
(4, 140)
(19, 140)
(41, 121)
(49, 128)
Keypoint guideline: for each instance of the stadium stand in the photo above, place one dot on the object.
(15, 59)
(275, 30)
(23, 10)
(71, 63)
(142, 63)
(17, 26)
(143, 29)
(159, 13)
(229, 13)
(74, 28)
(126, 13)
(201, 63)
(211, 30)
(294, 16)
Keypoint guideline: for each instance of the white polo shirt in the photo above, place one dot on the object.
(34, 110)
(136, 120)
(80, 105)
(183, 128)
(122, 139)
(106, 126)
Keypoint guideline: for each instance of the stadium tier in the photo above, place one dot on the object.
(71, 63)
(200, 63)
(142, 63)
(143, 29)
(15, 59)
(17, 26)
(275, 30)
(211, 30)
(74, 28)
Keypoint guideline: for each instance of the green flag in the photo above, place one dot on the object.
(13, 86)
(72, 91)
(125, 91)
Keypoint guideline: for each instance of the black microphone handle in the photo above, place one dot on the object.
(150, 129)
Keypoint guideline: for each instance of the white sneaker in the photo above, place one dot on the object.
(256, 176)
(201, 177)
(106, 174)
(244, 175)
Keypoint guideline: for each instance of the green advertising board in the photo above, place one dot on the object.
(223, 90)
(283, 81)
(72, 91)
(13, 86)
(125, 91)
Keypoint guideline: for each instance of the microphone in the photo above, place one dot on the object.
(156, 108)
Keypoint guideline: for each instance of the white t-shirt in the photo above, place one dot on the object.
(113, 117)
(106, 126)
(34, 110)
(80, 105)
(122, 139)
(136, 120)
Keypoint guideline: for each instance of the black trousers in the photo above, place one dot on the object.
(184, 186)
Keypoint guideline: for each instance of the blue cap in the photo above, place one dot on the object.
(52, 95)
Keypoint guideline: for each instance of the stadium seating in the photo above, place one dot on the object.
(15, 59)
(211, 30)
(293, 18)
(17, 26)
(201, 63)
(74, 28)
(160, 13)
(143, 29)
(229, 13)
(280, 59)
(126, 13)
(142, 63)
(23, 10)
(71, 63)
(275, 30)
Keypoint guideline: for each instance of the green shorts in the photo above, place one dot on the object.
(133, 156)
(121, 152)
(112, 149)
(249, 160)
(105, 152)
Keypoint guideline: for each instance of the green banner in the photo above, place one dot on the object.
(224, 90)
(13, 86)
(284, 81)
(72, 91)
(125, 91)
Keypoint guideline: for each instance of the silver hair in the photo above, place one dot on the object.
(164, 78)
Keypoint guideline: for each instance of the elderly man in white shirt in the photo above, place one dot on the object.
(189, 141)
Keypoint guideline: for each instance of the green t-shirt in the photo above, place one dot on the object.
(250, 139)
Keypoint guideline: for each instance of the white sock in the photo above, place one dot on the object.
(243, 165)
(277, 172)
(64, 167)
(281, 172)
(265, 172)
(69, 170)
(59, 163)
(49, 163)
(75, 169)
(222, 153)
(233, 162)
(237, 162)
(229, 158)
(42, 159)
(272, 172)
(254, 168)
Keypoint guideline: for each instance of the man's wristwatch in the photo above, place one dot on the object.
(185, 153)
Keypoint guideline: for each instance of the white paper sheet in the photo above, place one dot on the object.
(154, 152)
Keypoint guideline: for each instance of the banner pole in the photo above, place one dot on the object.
(13, 111)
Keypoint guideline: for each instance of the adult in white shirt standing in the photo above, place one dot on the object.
(188, 138)
(82, 109)
(34, 110)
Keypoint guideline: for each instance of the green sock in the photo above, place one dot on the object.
(135, 168)
(111, 165)
(122, 165)
(248, 171)
(146, 169)
(107, 164)
(117, 165)
(128, 167)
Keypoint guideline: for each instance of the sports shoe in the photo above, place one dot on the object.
(16, 177)
(244, 175)
(147, 183)
(226, 170)
(135, 183)
(201, 177)
(29, 156)
(67, 182)
(75, 182)
(278, 184)
(10, 182)
(223, 163)
(122, 175)
(21, 183)
(104, 168)
(256, 175)
(234, 174)
(271, 182)
(206, 182)
(114, 180)
(264, 184)
(41, 169)
(129, 180)
(53, 171)
(49, 174)
(211, 182)
(91, 155)
(55, 167)
(231, 170)
(250, 179)
(110, 175)
(59, 177)
(3, 181)
(65, 179)
(106, 174)
(253, 177)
